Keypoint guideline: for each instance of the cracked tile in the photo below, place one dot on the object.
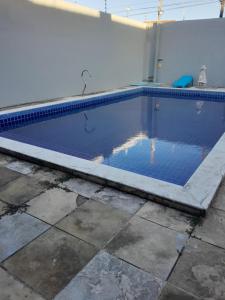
(120, 200)
(201, 271)
(94, 222)
(148, 246)
(49, 263)
(16, 231)
(106, 277)
(82, 187)
(53, 205)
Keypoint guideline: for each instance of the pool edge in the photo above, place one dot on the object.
(149, 188)
(195, 197)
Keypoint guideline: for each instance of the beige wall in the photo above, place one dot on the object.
(45, 44)
(184, 46)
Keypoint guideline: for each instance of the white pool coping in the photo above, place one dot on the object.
(195, 196)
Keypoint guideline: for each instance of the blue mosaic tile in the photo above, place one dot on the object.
(16, 119)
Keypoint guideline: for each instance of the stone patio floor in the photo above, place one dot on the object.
(62, 237)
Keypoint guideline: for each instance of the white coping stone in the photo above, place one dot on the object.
(197, 193)
(64, 100)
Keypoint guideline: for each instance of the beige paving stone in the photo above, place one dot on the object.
(21, 190)
(94, 222)
(120, 200)
(49, 263)
(212, 228)
(201, 271)
(148, 246)
(7, 176)
(168, 217)
(53, 205)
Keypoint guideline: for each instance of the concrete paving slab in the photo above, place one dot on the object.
(49, 175)
(81, 200)
(219, 200)
(212, 228)
(168, 217)
(146, 245)
(23, 167)
(16, 231)
(7, 175)
(5, 159)
(117, 199)
(49, 263)
(53, 205)
(170, 292)
(3, 208)
(106, 277)
(82, 187)
(201, 271)
(21, 190)
(11, 289)
(94, 222)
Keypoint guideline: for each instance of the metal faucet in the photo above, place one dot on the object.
(82, 76)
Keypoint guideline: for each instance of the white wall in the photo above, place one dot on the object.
(185, 46)
(45, 44)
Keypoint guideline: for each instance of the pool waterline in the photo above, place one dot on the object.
(178, 196)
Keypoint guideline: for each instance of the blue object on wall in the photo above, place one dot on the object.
(183, 81)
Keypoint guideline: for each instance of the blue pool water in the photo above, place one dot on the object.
(163, 138)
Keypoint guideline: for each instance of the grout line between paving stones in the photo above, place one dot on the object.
(14, 253)
(55, 227)
(104, 247)
(164, 226)
(178, 258)
(139, 268)
(200, 239)
(216, 208)
(22, 282)
(182, 290)
(12, 180)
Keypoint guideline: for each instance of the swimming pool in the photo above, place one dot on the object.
(161, 138)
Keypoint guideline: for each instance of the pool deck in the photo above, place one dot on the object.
(62, 237)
